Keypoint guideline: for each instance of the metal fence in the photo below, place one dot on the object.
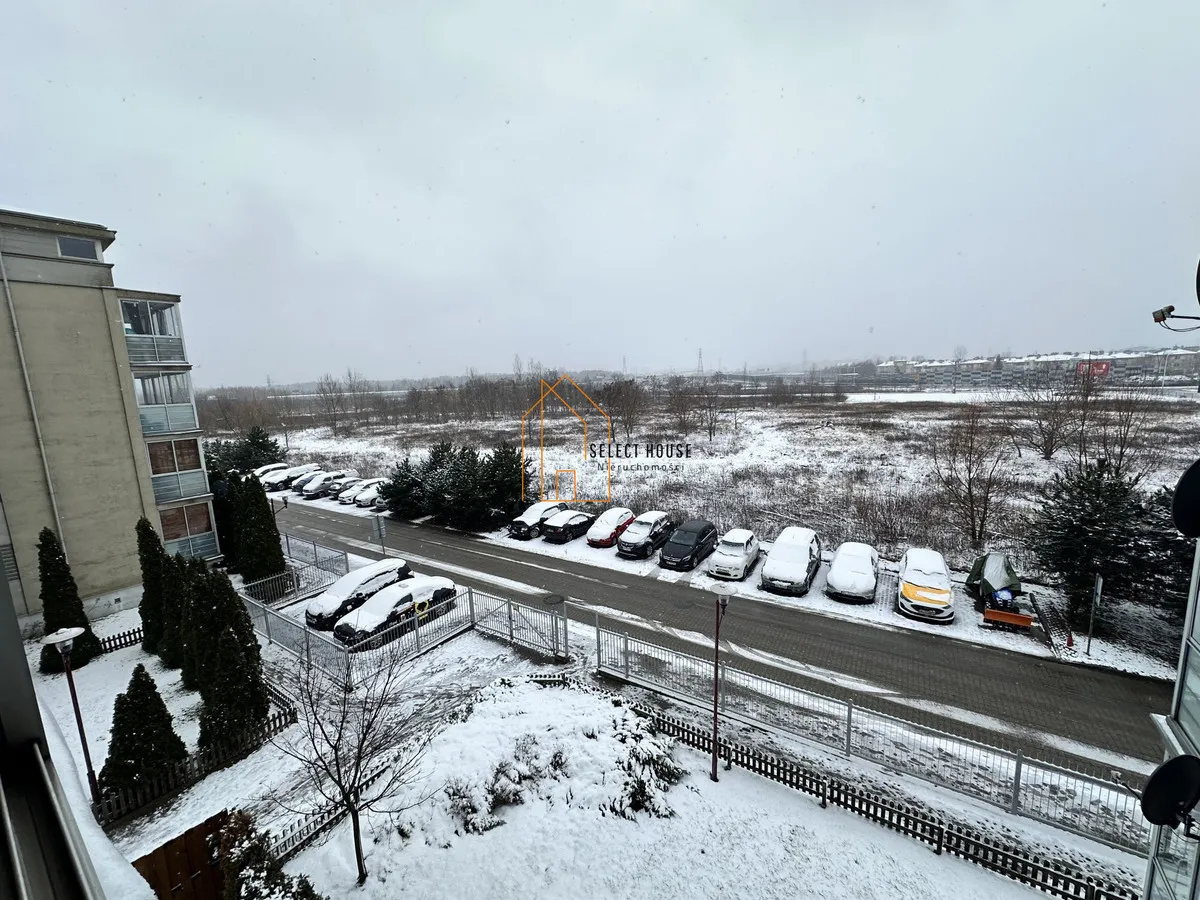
(541, 630)
(1073, 801)
(298, 581)
(303, 550)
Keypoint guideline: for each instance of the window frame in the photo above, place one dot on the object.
(187, 527)
(95, 257)
(172, 443)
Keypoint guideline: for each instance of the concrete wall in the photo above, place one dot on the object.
(81, 384)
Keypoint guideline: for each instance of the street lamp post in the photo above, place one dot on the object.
(722, 591)
(62, 641)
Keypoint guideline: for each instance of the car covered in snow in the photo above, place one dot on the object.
(853, 572)
(319, 485)
(924, 591)
(689, 545)
(349, 495)
(268, 469)
(366, 499)
(529, 523)
(566, 526)
(283, 478)
(645, 534)
(736, 553)
(341, 485)
(396, 610)
(299, 484)
(352, 590)
(609, 526)
(792, 562)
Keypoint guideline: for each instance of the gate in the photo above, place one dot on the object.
(185, 868)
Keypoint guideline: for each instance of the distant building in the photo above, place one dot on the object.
(97, 425)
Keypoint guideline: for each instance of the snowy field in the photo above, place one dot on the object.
(565, 828)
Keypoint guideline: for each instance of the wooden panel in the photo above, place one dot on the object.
(183, 868)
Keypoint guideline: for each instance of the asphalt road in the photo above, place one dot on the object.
(1003, 698)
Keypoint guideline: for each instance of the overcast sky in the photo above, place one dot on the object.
(419, 188)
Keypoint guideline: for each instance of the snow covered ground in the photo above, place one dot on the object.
(743, 836)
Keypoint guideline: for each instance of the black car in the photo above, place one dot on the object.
(529, 524)
(645, 534)
(689, 545)
(566, 526)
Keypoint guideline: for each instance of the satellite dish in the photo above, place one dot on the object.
(1198, 282)
(1172, 792)
(1185, 508)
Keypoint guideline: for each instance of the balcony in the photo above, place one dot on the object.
(179, 485)
(203, 546)
(168, 418)
(152, 349)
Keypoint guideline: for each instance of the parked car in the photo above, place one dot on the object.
(645, 534)
(609, 526)
(349, 495)
(397, 610)
(340, 486)
(366, 499)
(735, 556)
(924, 591)
(566, 526)
(352, 590)
(318, 485)
(792, 562)
(529, 523)
(299, 483)
(267, 469)
(381, 505)
(689, 545)
(853, 573)
(283, 478)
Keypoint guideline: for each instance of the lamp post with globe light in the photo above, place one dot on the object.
(722, 591)
(62, 641)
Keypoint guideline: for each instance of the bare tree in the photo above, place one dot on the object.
(626, 401)
(1050, 415)
(331, 400)
(681, 404)
(1121, 431)
(970, 463)
(708, 406)
(362, 748)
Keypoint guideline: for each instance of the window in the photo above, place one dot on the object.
(1189, 696)
(1174, 865)
(153, 390)
(78, 248)
(174, 456)
(185, 521)
(150, 317)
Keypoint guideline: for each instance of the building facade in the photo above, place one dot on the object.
(1174, 859)
(97, 419)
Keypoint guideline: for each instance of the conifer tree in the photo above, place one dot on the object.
(501, 482)
(403, 491)
(226, 512)
(61, 606)
(144, 743)
(231, 683)
(468, 506)
(260, 555)
(152, 558)
(250, 870)
(192, 624)
(177, 583)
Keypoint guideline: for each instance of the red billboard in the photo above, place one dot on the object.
(1097, 369)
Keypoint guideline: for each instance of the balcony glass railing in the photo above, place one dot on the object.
(179, 485)
(201, 545)
(150, 348)
(167, 418)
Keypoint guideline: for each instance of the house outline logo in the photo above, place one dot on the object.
(550, 392)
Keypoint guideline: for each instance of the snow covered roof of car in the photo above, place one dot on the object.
(926, 560)
(650, 517)
(562, 518)
(738, 535)
(795, 534)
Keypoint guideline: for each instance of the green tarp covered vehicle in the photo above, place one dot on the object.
(992, 572)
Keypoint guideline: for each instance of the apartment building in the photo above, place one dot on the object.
(97, 419)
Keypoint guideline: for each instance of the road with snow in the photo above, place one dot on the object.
(1058, 712)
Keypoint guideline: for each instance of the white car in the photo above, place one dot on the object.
(529, 523)
(924, 591)
(267, 469)
(299, 483)
(792, 562)
(853, 573)
(281, 478)
(352, 590)
(351, 494)
(404, 604)
(736, 553)
(366, 498)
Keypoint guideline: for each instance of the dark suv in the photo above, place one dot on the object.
(689, 545)
(645, 534)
